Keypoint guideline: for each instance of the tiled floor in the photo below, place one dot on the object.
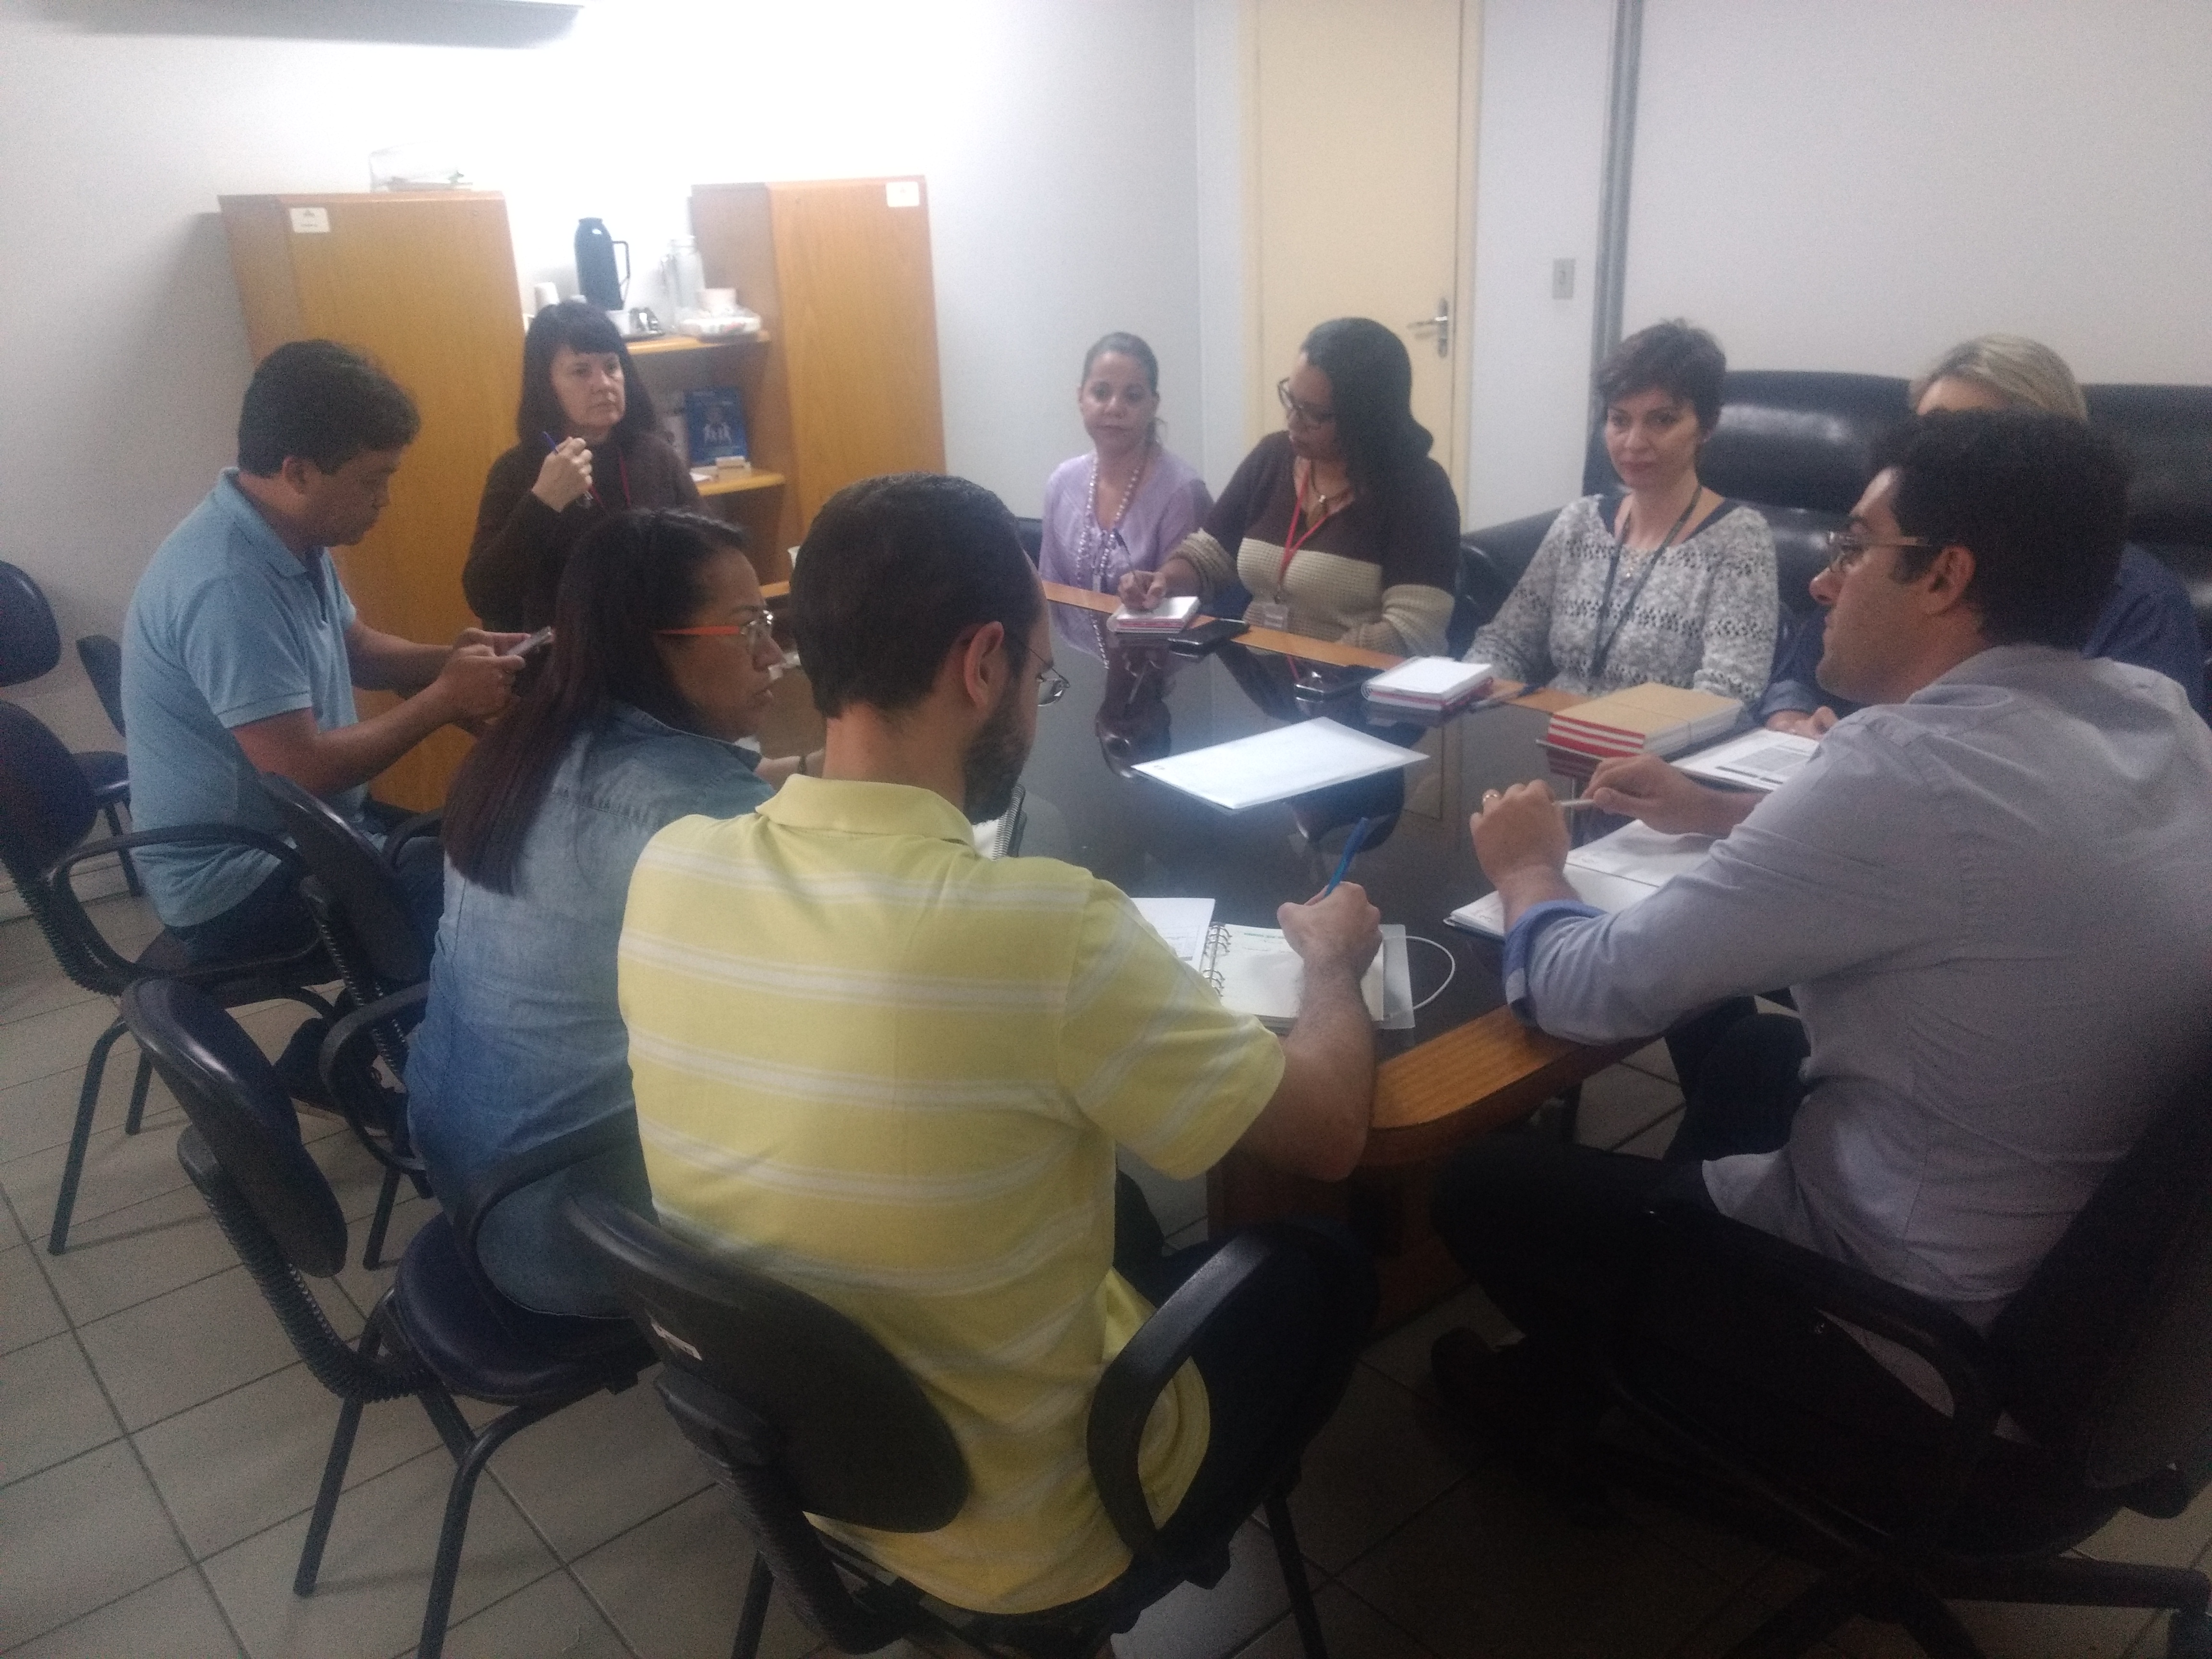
(159, 1448)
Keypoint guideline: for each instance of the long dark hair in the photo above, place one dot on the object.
(576, 325)
(628, 578)
(1371, 383)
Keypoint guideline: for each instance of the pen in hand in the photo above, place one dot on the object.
(591, 496)
(1351, 846)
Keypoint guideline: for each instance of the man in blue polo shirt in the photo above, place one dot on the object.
(242, 651)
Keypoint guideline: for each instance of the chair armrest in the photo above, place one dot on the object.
(59, 878)
(350, 1081)
(422, 824)
(1128, 1386)
(610, 1135)
(1841, 1291)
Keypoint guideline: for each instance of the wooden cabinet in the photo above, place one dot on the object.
(424, 283)
(843, 385)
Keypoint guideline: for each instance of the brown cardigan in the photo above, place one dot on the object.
(515, 559)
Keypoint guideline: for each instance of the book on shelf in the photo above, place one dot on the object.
(1171, 616)
(1649, 719)
(1435, 685)
(715, 423)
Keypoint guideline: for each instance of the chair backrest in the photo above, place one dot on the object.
(103, 666)
(2106, 1352)
(45, 805)
(759, 1374)
(379, 939)
(30, 643)
(231, 1094)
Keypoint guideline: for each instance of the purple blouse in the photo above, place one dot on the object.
(1171, 503)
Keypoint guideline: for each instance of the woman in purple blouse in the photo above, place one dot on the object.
(1125, 505)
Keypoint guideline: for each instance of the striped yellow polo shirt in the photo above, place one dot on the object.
(892, 1072)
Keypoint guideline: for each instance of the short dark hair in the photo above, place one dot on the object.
(894, 570)
(1685, 362)
(1371, 387)
(637, 572)
(584, 329)
(323, 402)
(2040, 500)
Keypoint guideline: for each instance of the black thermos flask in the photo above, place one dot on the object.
(595, 264)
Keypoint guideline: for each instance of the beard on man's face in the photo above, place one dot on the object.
(995, 756)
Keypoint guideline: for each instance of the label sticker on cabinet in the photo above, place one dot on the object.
(903, 192)
(308, 222)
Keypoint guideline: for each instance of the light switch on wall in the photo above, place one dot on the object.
(1563, 279)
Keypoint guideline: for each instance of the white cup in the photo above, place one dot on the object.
(545, 294)
(719, 301)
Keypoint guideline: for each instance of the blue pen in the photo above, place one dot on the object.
(551, 442)
(1351, 846)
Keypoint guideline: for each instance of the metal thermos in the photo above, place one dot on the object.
(595, 264)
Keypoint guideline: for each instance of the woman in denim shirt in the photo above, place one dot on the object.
(662, 658)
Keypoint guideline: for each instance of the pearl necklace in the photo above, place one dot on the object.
(1091, 551)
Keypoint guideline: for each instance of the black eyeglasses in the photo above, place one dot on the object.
(1052, 684)
(1305, 413)
(1847, 547)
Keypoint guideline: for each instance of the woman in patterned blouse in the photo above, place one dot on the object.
(1664, 579)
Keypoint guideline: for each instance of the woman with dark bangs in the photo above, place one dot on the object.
(589, 449)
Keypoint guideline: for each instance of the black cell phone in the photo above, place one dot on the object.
(1197, 642)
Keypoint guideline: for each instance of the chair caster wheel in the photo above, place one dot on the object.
(2189, 1636)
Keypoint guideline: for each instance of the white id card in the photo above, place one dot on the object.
(1268, 613)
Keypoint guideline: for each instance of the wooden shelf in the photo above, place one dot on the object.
(739, 482)
(664, 345)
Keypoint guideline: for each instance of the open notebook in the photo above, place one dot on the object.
(1612, 873)
(1257, 973)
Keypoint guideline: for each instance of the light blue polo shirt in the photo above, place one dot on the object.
(227, 627)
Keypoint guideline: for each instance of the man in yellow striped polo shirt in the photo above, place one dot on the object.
(893, 1073)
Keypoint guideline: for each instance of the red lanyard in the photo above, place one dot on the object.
(1293, 541)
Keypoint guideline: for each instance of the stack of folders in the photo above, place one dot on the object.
(1432, 685)
(1644, 720)
(1172, 617)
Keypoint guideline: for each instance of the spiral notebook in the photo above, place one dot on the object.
(1257, 973)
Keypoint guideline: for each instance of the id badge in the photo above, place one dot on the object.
(1268, 613)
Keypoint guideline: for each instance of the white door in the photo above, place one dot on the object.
(1361, 167)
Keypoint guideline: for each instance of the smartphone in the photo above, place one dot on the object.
(543, 637)
(1197, 642)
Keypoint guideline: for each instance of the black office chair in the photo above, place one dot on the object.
(2105, 1357)
(442, 1330)
(46, 812)
(30, 646)
(360, 914)
(103, 666)
(801, 1413)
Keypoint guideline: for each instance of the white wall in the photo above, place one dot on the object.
(1858, 185)
(1540, 160)
(1058, 140)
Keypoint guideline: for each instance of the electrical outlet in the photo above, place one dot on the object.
(1563, 279)
(311, 221)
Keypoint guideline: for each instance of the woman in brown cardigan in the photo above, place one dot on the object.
(589, 449)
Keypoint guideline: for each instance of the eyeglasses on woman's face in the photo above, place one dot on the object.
(1300, 411)
(1847, 547)
(1052, 684)
(759, 632)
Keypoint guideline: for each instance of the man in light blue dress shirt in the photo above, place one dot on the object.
(1987, 891)
(242, 651)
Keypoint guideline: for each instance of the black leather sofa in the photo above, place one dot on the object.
(1799, 446)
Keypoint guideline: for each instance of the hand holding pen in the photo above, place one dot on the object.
(566, 474)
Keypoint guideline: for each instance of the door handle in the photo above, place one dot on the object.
(1440, 325)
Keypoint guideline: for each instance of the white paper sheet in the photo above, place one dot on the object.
(1612, 873)
(1757, 760)
(1290, 760)
(1183, 922)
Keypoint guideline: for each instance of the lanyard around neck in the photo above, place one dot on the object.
(1294, 538)
(1604, 646)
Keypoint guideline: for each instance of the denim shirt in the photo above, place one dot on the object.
(522, 1039)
